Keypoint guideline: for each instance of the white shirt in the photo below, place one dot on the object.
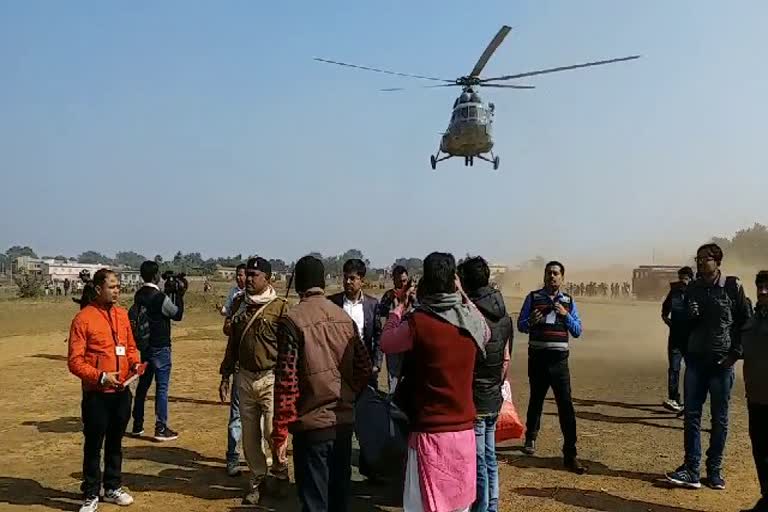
(354, 308)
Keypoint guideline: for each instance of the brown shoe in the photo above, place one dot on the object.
(574, 466)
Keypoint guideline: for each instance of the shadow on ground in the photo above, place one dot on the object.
(65, 425)
(52, 357)
(646, 421)
(28, 492)
(364, 498)
(185, 400)
(596, 500)
(593, 468)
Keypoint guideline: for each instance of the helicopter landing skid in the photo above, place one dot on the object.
(433, 159)
(468, 160)
(493, 160)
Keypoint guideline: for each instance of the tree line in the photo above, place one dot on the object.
(748, 246)
(193, 263)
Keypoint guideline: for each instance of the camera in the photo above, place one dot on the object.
(175, 283)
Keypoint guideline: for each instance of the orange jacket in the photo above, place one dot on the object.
(93, 338)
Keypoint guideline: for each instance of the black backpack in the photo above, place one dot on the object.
(139, 317)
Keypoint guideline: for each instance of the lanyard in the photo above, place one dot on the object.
(112, 327)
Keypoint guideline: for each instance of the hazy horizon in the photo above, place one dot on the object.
(208, 127)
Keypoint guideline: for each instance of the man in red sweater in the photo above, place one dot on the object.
(440, 340)
(103, 354)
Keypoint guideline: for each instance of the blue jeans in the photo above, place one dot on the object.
(159, 368)
(487, 469)
(235, 428)
(675, 357)
(702, 377)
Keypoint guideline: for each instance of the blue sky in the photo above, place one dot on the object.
(206, 126)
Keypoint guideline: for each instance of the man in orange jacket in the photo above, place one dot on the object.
(103, 354)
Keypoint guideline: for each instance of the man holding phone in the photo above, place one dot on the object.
(403, 291)
(717, 309)
(103, 354)
(550, 318)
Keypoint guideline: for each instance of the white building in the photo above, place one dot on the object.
(129, 277)
(58, 271)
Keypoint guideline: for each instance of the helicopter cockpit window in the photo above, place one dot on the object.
(465, 113)
(473, 112)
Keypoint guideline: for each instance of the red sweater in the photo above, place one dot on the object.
(437, 377)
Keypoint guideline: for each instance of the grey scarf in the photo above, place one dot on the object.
(449, 307)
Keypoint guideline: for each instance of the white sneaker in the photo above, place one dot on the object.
(90, 504)
(673, 406)
(118, 497)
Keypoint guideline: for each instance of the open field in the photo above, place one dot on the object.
(618, 375)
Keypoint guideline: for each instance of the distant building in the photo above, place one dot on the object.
(29, 264)
(56, 271)
(497, 271)
(225, 273)
(129, 277)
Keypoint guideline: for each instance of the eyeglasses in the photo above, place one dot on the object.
(703, 259)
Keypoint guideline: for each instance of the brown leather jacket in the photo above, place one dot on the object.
(332, 366)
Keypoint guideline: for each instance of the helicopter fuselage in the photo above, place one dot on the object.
(469, 132)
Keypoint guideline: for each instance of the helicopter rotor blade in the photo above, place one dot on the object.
(510, 86)
(561, 68)
(495, 42)
(385, 71)
(394, 89)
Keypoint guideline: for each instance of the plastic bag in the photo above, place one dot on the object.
(508, 425)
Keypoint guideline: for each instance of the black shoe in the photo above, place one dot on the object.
(163, 434)
(530, 447)
(683, 477)
(715, 480)
(574, 466)
(136, 431)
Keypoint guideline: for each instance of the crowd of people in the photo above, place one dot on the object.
(601, 289)
(445, 342)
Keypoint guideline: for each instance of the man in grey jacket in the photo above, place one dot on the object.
(755, 340)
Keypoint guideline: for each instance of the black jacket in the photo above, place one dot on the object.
(674, 308)
(160, 310)
(723, 310)
(486, 387)
(371, 327)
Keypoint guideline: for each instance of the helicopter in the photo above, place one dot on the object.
(469, 132)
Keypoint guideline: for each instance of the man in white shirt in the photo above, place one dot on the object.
(362, 308)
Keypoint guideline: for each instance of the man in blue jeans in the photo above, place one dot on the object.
(675, 315)
(489, 377)
(717, 311)
(161, 309)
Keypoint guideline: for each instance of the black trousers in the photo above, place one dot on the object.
(323, 472)
(105, 417)
(758, 431)
(549, 368)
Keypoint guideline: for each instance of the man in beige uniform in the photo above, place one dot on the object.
(252, 351)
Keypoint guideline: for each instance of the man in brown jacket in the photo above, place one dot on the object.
(252, 351)
(322, 365)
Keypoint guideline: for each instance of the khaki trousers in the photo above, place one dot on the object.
(257, 391)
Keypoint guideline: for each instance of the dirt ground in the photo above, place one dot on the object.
(619, 380)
